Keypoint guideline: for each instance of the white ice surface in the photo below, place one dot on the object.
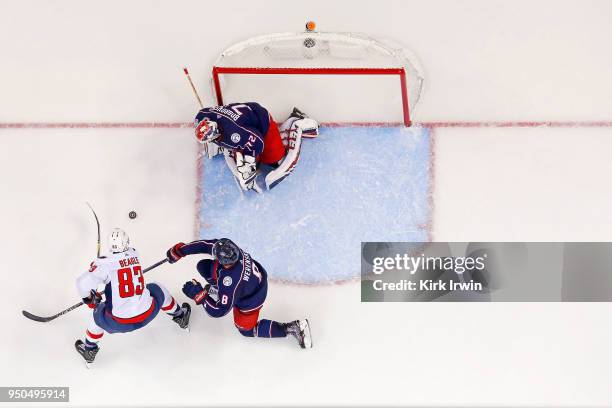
(512, 184)
(484, 60)
(364, 353)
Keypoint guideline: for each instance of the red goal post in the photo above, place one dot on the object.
(346, 78)
(400, 72)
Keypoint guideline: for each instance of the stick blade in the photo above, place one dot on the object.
(36, 318)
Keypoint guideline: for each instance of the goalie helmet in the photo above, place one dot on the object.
(118, 241)
(207, 130)
(226, 252)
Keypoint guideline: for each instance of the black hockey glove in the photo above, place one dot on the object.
(93, 299)
(195, 291)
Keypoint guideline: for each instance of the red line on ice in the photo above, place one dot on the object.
(554, 124)
(96, 125)
(179, 125)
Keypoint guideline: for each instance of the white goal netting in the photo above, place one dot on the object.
(335, 77)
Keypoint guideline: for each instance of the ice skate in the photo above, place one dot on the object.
(300, 329)
(88, 353)
(183, 319)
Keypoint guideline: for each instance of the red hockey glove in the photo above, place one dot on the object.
(174, 253)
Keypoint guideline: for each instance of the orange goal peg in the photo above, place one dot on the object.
(310, 26)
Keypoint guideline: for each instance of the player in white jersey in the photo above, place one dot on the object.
(129, 304)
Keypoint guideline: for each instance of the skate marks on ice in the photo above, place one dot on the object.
(351, 184)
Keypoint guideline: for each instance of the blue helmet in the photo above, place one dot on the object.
(226, 252)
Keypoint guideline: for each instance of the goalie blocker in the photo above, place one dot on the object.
(248, 137)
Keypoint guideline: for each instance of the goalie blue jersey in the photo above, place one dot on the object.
(243, 126)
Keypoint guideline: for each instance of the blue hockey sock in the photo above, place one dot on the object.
(90, 344)
(269, 328)
(177, 311)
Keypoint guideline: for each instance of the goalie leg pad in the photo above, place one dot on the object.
(308, 126)
(286, 166)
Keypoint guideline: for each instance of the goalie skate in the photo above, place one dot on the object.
(296, 113)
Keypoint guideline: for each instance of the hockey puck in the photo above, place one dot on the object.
(132, 214)
(309, 42)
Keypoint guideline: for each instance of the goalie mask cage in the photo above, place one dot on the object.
(337, 78)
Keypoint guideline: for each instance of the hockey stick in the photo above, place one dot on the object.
(195, 92)
(98, 224)
(71, 308)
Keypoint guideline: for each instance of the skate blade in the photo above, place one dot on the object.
(307, 336)
(88, 365)
(185, 329)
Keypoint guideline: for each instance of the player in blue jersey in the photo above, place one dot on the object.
(237, 283)
(248, 136)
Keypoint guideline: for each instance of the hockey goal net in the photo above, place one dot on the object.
(337, 78)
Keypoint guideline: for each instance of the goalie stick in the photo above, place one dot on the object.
(195, 93)
(71, 308)
(193, 88)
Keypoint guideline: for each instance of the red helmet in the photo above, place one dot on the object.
(207, 130)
